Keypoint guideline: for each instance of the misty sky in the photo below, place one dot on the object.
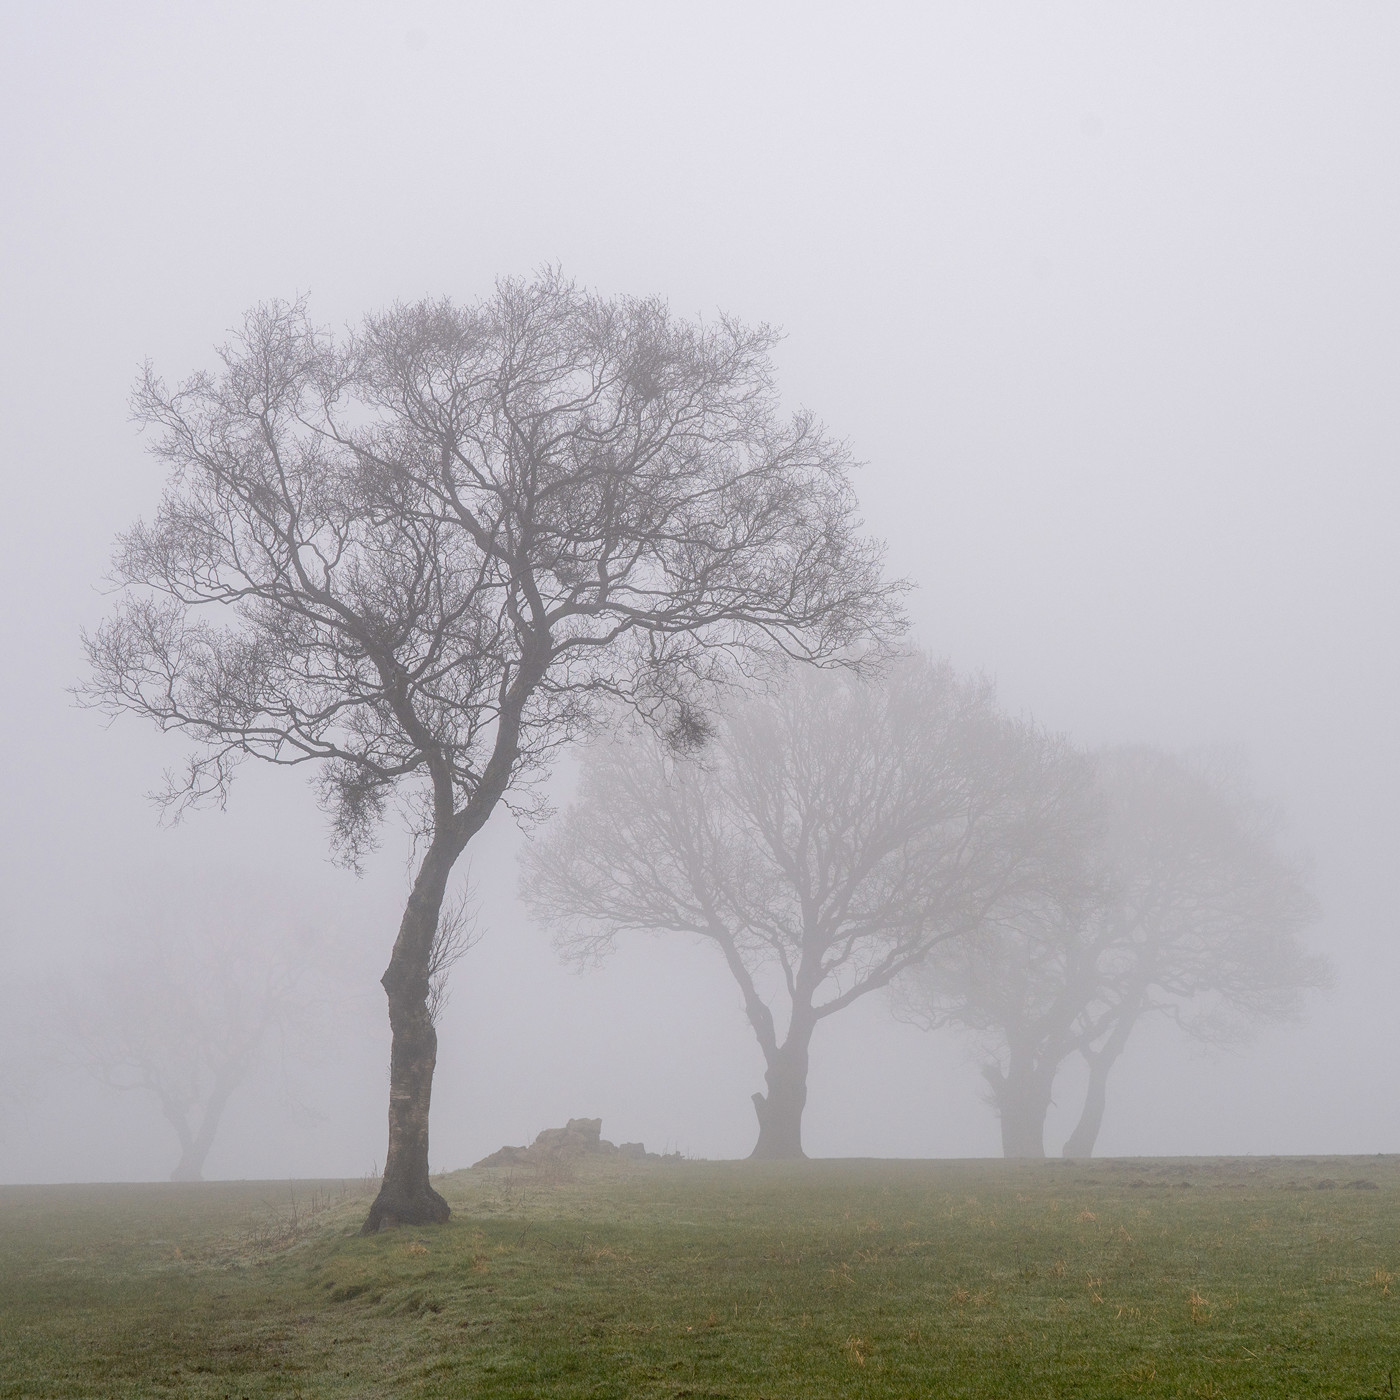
(1106, 297)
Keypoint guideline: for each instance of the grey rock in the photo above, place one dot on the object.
(579, 1137)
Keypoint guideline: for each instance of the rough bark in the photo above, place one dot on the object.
(780, 1109)
(406, 1197)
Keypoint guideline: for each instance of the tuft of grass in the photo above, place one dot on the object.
(738, 1279)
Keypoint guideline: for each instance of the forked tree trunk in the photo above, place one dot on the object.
(1022, 1097)
(780, 1109)
(406, 1197)
(1086, 1132)
(195, 1144)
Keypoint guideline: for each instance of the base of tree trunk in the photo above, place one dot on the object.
(763, 1152)
(779, 1130)
(1023, 1131)
(396, 1206)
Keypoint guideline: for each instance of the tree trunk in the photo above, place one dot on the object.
(190, 1167)
(780, 1110)
(1022, 1097)
(1080, 1142)
(1086, 1132)
(405, 1195)
(194, 1147)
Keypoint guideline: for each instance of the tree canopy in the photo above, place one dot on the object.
(424, 555)
(824, 839)
(1184, 905)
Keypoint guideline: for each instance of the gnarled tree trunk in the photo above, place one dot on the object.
(780, 1109)
(1021, 1093)
(406, 1197)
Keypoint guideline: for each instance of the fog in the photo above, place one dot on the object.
(1106, 300)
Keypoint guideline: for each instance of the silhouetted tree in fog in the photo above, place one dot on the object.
(425, 557)
(824, 839)
(186, 1019)
(1183, 906)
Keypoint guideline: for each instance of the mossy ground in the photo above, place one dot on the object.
(1206, 1278)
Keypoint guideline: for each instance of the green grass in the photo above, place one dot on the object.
(1129, 1278)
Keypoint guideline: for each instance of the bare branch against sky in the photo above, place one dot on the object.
(425, 558)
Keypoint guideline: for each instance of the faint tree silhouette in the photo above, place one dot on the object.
(824, 839)
(1183, 906)
(186, 1014)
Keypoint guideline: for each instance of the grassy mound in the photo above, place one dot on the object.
(1253, 1277)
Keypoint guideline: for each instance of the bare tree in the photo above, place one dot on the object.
(185, 1017)
(423, 558)
(825, 839)
(1184, 907)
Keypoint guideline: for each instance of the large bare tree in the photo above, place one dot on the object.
(1183, 906)
(424, 556)
(824, 839)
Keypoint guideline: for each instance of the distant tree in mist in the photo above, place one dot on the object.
(1183, 906)
(423, 557)
(824, 840)
(185, 1015)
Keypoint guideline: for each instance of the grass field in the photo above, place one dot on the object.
(1210, 1278)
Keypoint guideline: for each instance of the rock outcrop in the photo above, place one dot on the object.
(579, 1137)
